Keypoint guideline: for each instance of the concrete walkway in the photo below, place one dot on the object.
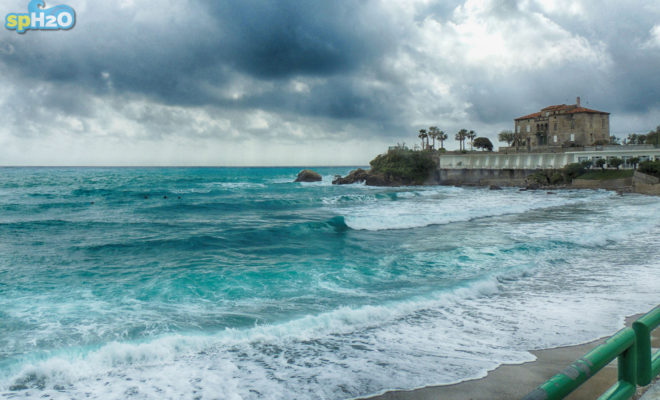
(653, 393)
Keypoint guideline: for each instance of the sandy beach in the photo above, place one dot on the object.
(515, 381)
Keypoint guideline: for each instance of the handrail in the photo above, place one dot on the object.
(621, 345)
(648, 364)
(636, 364)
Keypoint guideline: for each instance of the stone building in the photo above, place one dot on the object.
(563, 126)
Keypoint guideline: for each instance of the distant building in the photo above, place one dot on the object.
(564, 126)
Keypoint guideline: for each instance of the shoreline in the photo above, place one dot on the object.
(514, 381)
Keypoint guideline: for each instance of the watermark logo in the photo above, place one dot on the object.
(41, 18)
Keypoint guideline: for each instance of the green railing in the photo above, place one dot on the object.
(637, 365)
(648, 364)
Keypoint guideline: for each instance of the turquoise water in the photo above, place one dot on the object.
(222, 283)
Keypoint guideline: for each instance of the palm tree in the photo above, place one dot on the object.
(471, 135)
(433, 133)
(422, 135)
(442, 136)
(460, 136)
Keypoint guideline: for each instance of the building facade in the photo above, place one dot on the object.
(547, 160)
(563, 126)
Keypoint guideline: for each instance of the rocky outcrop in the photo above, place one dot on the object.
(356, 176)
(371, 178)
(307, 175)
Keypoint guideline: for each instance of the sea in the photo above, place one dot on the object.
(237, 283)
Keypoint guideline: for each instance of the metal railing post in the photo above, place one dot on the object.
(648, 364)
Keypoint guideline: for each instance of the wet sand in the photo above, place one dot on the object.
(515, 381)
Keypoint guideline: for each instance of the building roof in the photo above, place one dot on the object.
(535, 115)
(563, 109)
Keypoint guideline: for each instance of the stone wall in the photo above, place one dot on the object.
(639, 183)
(483, 177)
(646, 184)
(620, 185)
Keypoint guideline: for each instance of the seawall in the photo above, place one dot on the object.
(638, 183)
(620, 185)
(646, 184)
(483, 176)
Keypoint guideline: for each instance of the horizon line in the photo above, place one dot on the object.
(182, 166)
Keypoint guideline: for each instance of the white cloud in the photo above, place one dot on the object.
(505, 42)
(654, 38)
(573, 8)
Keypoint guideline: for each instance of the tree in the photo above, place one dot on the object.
(442, 136)
(650, 167)
(518, 139)
(483, 143)
(653, 137)
(471, 135)
(614, 140)
(433, 133)
(460, 136)
(634, 138)
(572, 171)
(586, 164)
(634, 161)
(506, 136)
(615, 162)
(601, 163)
(408, 167)
(422, 135)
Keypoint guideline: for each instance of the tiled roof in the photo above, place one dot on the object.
(585, 110)
(563, 109)
(535, 115)
(553, 108)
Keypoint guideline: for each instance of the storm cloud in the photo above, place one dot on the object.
(331, 82)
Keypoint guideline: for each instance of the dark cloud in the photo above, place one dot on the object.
(286, 38)
(365, 67)
(178, 60)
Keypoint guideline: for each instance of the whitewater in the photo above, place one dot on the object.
(236, 283)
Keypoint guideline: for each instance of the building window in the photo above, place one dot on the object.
(572, 124)
(529, 128)
(518, 129)
(555, 126)
(626, 160)
(572, 137)
(554, 138)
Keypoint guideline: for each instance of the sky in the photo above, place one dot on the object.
(296, 82)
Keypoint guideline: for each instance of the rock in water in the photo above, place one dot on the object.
(495, 187)
(356, 176)
(307, 175)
